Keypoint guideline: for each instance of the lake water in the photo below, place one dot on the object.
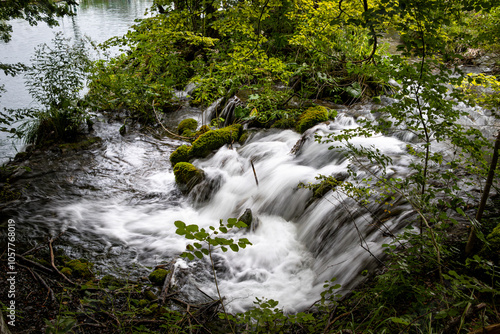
(97, 19)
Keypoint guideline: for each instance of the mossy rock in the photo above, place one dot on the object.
(187, 124)
(187, 176)
(66, 271)
(285, 123)
(311, 117)
(244, 137)
(202, 130)
(157, 277)
(149, 295)
(215, 139)
(189, 133)
(80, 268)
(181, 154)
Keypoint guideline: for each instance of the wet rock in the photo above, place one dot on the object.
(181, 154)
(187, 176)
(311, 117)
(215, 139)
(251, 221)
(189, 124)
(157, 277)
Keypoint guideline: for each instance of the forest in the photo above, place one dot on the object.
(289, 65)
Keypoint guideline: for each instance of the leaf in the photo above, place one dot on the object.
(234, 247)
(179, 224)
(192, 228)
(198, 254)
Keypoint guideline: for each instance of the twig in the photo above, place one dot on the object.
(167, 130)
(54, 266)
(34, 264)
(194, 318)
(254, 173)
(41, 280)
(166, 283)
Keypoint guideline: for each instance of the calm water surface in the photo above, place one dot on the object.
(97, 19)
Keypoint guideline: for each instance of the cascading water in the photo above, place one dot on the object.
(118, 204)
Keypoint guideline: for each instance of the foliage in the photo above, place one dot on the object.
(54, 80)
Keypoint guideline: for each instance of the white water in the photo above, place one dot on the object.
(295, 248)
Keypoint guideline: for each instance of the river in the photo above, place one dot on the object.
(97, 19)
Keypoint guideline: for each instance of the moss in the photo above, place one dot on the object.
(202, 130)
(244, 137)
(157, 277)
(215, 139)
(311, 117)
(80, 268)
(181, 154)
(41, 261)
(149, 295)
(80, 145)
(66, 271)
(110, 281)
(187, 124)
(187, 176)
(189, 133)
(285, 123)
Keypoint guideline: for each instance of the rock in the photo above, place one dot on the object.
(311, 117)
(157, 277)
(181, 154)
(187, 124)
(187, 176)
(215, 139)
(247, 218)
(123, 130)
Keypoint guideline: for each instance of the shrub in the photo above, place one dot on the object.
(215, 139)
(311, 117)
(181, 154)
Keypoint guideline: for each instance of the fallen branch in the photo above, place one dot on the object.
(254, 173)
(167, 130)
(54, 266)
(39, 278)
(35, 264)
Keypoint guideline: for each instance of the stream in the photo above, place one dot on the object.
(116, 202)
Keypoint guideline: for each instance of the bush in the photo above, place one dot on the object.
(311, 117)
(181, 154)
(187, 124)
(215, 139)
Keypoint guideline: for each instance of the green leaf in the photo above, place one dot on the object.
(179, 224)
(234, 247)
(198, 254)
(192, 228)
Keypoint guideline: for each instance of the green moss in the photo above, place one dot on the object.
(66, 271)
(80, 145)
(311, 117)
(181, 154)
(187, 176)
(189, 133)
(80, 268)
(244, 137)
(285, 123)
(149, 295)
(187, 124)
(202, 130)
(110, 281)
(157, 277)
(215, 139)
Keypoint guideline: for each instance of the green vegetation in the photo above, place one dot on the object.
(158, 276)
(54, 80)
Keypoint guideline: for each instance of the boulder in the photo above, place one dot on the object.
(311, 117)
(187, 176)
(215, 139)
(181, 154)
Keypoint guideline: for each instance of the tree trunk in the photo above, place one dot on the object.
(489, 181)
